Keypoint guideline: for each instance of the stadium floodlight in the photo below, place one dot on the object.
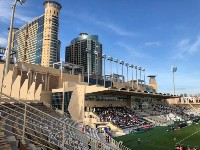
(88, 51)
(116, 61)
(104, 69)
(122, 63)
(136, 68)
(144, 76)
(21, 1)
(10, 36)
(127, 65)
(140, 69)
(173, 69)
(132, 66)
(96, 66)
(110, 59)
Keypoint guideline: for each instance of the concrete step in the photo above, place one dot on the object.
(5, 147)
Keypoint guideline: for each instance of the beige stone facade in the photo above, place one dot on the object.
(50, 34)
(30, 82)
(37, 41)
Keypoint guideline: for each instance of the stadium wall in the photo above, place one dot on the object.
(89, 103)
(1, 75)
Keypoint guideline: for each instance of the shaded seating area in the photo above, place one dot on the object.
(123, 117)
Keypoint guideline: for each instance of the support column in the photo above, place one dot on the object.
(48, 79)
(63, 99)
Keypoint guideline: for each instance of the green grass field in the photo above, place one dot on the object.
(158, 139)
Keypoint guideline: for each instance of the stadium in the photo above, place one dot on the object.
(57, 110)
(54, 105)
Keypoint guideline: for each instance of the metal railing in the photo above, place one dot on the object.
(114, 142)
(28, 123)
(197, 111)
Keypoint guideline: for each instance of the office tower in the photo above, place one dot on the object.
(76, 53)
(37, 41)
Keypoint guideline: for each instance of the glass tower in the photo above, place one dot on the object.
(37, 41)
(76, 53)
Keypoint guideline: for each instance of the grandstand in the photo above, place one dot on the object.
(45, 98)
(35, 126)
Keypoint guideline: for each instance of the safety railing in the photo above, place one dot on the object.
(197, 111)
(27, 123)
(112, 141)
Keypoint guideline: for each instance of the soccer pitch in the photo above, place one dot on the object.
(159, 139)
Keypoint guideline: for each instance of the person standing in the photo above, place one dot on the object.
(89, 144)
(138, 140)
(83, 129)
(106, 138)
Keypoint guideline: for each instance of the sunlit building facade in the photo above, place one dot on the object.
(37, 41)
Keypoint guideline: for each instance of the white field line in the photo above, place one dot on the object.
(188, 137)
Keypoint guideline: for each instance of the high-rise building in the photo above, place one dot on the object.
(37, 41)
(76, 53)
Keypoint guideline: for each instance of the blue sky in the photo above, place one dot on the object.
(154, 34)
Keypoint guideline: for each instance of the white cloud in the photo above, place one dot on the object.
(108, 25)
(115, 29)
(6, 9)
(130, 49)
(3, 41)
(188, 47)
(154, 43)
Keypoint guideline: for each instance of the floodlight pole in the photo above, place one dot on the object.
(8, 51)
(127, 65)
(116, 60)
(136, 76)
(144, 76)
(110, 59)
(122, 63)
(140, 69)
(173, 80)
(173, 83)
(96, 66)
(88, 65)
(174, 69)
(104, 69)
(132, 66)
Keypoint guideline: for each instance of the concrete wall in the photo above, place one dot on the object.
(16, 88)
(46, 96)
(128, 85)
(76, 105)
(95, 120)
(7, 84)
(105, 103)
(91, 89)
(70, 77)
(173, 100)
(24, 90)
(31, 92)
(1, 75)
(38, 93)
